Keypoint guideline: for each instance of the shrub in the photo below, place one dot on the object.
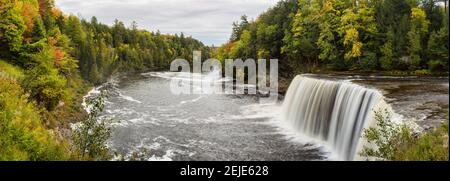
(436, 66)
(422, 72)
(369, 61)
(431, 146)
(22, 135)
(390, 141)
(91, 135)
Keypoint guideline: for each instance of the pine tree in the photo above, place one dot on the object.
(438, 47)
(11, 29)
(38, 31)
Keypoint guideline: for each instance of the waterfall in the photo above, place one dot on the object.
(332, 111)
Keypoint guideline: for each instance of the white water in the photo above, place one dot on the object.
(334, 112)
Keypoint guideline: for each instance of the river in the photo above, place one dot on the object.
(150, 120)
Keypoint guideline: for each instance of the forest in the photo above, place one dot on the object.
(48, 61)
(390, 36)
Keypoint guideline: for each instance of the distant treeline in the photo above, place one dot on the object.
(101, 49)
(363, 35)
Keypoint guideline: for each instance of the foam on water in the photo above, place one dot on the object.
(129, 98)
(192, 101)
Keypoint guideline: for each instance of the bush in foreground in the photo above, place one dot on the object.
(90, 136)
(390, 141)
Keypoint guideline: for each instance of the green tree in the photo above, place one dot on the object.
(437, 48)
(387, 55)
(91, 135)
(238, 28)
(11, 29)
(44, 82)
(328, 41)
(349, 30)
(300, 40)
(414, 49)
(419, 29)
(369, 34)
(45, 10)
(38, 32)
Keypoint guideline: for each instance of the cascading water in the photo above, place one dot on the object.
(331, 111)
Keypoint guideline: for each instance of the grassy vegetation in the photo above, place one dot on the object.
(430, 146)
(22, 133)
(11, 71)
(389, 141)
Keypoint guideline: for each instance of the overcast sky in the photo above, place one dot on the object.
(207, 20)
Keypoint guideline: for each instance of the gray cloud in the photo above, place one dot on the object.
(207, 20)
